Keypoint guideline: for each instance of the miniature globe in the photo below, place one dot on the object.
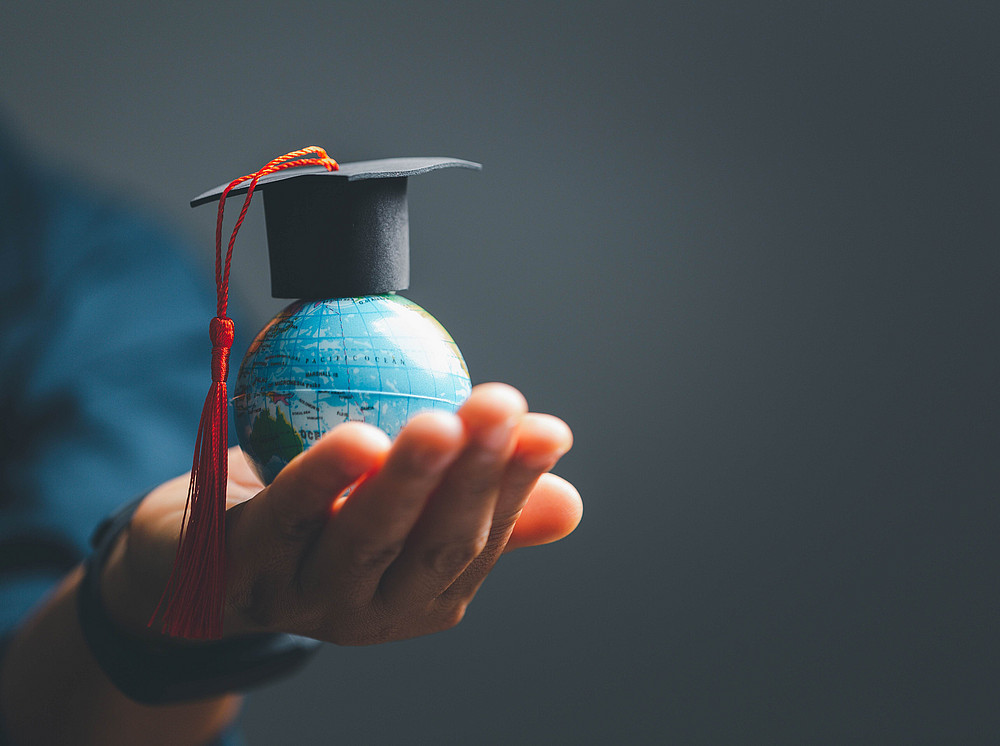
(378, 359)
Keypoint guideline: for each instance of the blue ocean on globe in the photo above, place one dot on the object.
(378, 359)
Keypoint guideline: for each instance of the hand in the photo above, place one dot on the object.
(402, 555)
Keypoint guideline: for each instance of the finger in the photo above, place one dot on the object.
(541, 440)
(553, 511)
(297, 503)
(371, 526)
(267, 535)
(455, 524)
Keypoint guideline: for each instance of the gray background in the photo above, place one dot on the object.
(747, 250)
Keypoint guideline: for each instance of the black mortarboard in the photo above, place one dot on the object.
(339, 234)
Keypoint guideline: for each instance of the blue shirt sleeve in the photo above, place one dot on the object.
(104, 366)
(104, 358)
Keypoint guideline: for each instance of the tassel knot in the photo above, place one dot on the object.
(222, 332)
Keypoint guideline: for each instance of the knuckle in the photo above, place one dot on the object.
(290, 528)
(447, 557)
(260, 603)
(503, 523)
(273, 600)
(371, 557)
(298, 530)
(482, 482)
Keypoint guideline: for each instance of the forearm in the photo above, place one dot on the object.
(52, 691)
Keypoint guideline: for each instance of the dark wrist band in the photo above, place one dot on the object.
(162, 672)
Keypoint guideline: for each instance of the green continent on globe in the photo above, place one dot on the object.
(378, 359)
(274, 437)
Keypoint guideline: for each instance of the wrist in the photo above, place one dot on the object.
(128, 604)
(130, 593)
(115, 599)
(132, 578)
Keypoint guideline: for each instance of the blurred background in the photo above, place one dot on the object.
(747, 250)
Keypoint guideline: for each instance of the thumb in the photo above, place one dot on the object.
(553, 511)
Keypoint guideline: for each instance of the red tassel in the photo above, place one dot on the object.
(196, 590)
(194, 599)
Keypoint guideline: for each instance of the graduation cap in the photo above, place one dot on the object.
(340, 233)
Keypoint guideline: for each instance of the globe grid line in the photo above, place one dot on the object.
(409, 381)
(378, 370)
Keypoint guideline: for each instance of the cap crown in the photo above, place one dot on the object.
(339, 234)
